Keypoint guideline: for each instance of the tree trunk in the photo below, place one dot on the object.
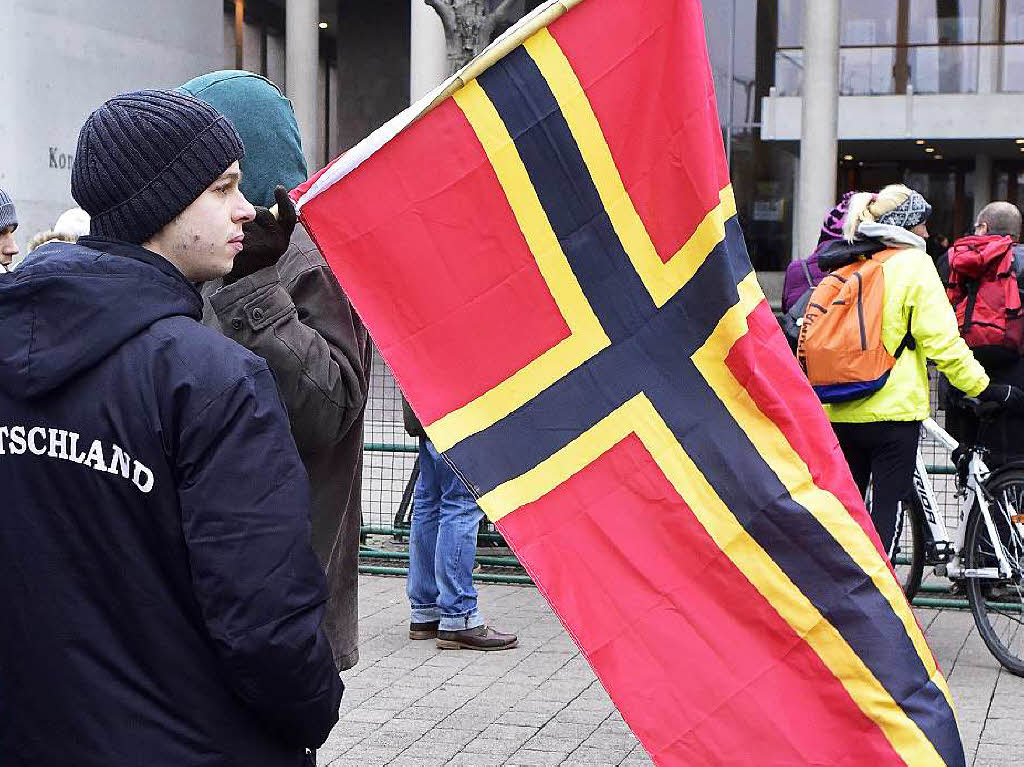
(468, 27)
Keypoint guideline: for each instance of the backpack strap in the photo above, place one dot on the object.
(972, 287)
(908, 341)
(884, 255)
(807, 272)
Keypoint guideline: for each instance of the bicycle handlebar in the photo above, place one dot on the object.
(983, 410)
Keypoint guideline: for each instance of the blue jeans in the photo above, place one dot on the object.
(442, 546)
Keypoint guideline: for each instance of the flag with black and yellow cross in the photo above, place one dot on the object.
(550, 261)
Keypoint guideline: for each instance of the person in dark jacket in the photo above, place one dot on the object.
(162, 602)
(282, 302)
(936, 245)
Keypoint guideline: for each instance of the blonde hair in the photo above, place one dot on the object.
(868, 207)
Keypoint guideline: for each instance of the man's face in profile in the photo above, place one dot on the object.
(203, 240)
(8, 246)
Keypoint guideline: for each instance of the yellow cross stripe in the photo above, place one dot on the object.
(586, 338)
(638, 416)
(559, 467)
(794, 474)
(662, 279)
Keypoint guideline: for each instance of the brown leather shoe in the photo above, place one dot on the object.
(480, 638)
(423, 630)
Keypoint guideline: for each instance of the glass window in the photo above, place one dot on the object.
(789, 72)
(939, 22)
(935, 51)
(744, 76)
(867, 71)
(1013, 55)
(944, 69)
(791, 23)
(742, 60)
(1013, 20)
(1002, 185)
(716, 29)
(763, 179)
(949, 66)
(939, 187)
(788, 77)
(1009, 183)
(868, 22)
(1013, 68)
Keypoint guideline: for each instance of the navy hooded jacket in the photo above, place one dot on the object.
(161, 600)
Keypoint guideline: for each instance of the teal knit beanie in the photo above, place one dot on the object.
(266, 122)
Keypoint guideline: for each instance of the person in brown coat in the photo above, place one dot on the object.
(282, 302)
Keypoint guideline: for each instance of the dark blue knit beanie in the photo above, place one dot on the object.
(143, 157)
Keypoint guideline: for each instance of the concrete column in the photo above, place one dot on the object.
(428, 59)
(989, 56)
(982, 182)
(302, 55)
(819, 145)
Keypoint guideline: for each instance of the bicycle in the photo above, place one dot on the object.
(986, 557)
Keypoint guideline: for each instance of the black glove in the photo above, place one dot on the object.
(266, 237)
(1008, 397)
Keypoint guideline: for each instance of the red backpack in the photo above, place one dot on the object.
(985, 293)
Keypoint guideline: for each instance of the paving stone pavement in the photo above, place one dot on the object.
(408, 704)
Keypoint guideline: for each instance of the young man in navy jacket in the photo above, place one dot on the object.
(162, 601)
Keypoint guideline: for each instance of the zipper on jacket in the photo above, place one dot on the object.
(860, 312)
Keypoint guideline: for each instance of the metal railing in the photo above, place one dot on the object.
(389, 458)
(927, 68)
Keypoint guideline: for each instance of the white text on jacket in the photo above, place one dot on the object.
(63, 444)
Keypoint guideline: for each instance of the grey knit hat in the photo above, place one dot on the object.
(912, 211)
(143, 157)
(8, 216)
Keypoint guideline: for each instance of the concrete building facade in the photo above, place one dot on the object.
(822, 96)
(815, 96)
(347, 66)
(59, 59)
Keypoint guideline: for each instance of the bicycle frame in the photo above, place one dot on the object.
(950, 552)
(938, 534)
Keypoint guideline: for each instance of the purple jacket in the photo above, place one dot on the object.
(804, 272)
(800, 275)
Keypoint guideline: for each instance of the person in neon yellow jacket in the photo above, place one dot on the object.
(879, 433)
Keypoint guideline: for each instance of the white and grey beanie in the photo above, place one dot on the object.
(8, 217)
(912, 211)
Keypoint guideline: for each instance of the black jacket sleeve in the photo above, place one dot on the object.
(245, 509)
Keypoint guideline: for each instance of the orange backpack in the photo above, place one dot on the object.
(840, 345)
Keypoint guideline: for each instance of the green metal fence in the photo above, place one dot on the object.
(389, 458)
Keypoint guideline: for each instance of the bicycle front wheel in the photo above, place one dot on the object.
(998, 603)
